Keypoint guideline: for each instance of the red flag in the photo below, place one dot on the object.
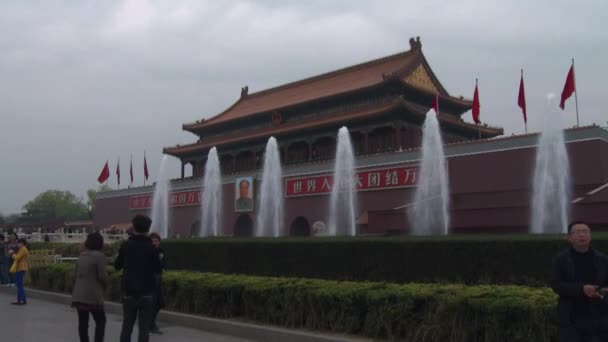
(105, 174)
(521, 99)
(476, 105)
(146, 174)
(131, 169)
(118, 171)
(436, 104)
(569, 87)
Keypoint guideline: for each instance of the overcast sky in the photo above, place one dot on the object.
(82, 82)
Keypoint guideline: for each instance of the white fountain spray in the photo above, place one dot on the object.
(270, 215)
(343, 199)
(160, 202)
(552, 186)
(430, 211)
(211, 200)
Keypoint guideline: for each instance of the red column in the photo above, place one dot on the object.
(397, 138)
(309, 150)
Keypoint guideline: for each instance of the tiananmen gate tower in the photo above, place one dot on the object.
(383, 103)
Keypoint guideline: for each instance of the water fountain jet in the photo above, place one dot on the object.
(429, 213)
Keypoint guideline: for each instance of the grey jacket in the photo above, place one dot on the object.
(90, 279)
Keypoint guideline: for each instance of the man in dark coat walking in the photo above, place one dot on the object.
(580, 274)
(140, 262)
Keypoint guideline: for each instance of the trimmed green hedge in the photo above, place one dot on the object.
(73, 249)
(410, 312)
(523, 259)
(470, 259)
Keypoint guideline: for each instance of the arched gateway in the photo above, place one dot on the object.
(299, 227)
(243, 226)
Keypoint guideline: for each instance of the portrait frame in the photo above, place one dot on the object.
(245, 205)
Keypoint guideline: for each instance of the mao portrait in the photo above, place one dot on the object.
(243, 201)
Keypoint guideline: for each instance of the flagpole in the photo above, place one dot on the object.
(575, 93)
(524, 109)
(144, 165)
(478, 127)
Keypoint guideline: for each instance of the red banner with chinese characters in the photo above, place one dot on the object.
(176, 199)
(367, 180)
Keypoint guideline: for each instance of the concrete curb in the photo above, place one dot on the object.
(212, 325)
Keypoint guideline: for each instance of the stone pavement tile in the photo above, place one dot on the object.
(43, 321)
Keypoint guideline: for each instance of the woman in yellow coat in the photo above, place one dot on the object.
(21, 264)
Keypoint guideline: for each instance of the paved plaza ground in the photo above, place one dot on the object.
(41, 320)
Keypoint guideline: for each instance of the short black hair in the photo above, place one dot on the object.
(574, 223)
(141, 224)
(23, 241)
(243, 181)
(2, 237)
(153, 236)
(94, 242)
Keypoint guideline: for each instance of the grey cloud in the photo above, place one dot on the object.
(83, 82)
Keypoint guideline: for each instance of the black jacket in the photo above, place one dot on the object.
(163, 260)
(563, 282)
(140, 261)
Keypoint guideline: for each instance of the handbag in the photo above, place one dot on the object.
(13, 267)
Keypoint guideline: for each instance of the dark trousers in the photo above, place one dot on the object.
(137, 308)
(11, 276)
(19, 278)
(159, 302)
(155, 311)
(590, 330)
(99, 316)
(4, 279)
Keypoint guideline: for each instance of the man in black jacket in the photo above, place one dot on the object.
(579, 275)
(140, 262)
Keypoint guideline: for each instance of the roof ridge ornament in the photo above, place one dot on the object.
(415, 44)
(244, 92)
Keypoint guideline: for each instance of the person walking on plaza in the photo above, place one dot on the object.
(11, 245)
(90, 281)
(21, 264)
(140, 262)
(4, 262)
(159, 300)
(580, 274)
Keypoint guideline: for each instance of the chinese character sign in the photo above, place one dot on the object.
(176, 199)
(364, 181)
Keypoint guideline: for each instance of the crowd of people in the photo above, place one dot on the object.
(141, 260)
(579, 277)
